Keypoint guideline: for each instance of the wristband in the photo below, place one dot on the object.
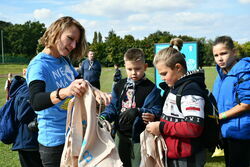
(223, 115)
(57, 94)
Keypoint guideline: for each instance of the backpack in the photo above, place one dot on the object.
(8, 116)
(210, 136)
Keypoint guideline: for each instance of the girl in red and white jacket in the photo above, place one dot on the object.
(180, 129)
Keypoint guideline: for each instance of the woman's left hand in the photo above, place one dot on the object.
(102, 97)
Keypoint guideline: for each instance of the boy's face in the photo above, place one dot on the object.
(170, 76)
(135, 69)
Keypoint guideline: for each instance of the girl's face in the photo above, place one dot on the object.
(223, 56)
(135, 69)
(170, 76)
(68, 41)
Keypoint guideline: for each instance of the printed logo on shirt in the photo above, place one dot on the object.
(63, 76)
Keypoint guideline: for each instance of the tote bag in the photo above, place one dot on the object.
(153, 149)
(88, 140)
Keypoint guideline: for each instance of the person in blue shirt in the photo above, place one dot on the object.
(52, 81)
(91, 70)
(232, 92)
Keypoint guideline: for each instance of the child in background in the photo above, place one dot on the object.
(181, 130)
(133, 99)
(7, 86)
(117, 75)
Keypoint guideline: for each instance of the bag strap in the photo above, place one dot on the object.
(179, 94)
(69, 114)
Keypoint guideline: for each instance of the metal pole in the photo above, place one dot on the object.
(2, 46)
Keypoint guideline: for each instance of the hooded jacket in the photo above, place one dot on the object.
(227, 89)
(181, 130)
(148, 99)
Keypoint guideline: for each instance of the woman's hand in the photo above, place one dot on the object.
(77, 88)
(102, 97)
(154, 128)
(148, 117)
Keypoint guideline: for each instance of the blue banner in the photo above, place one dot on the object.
(189, 49)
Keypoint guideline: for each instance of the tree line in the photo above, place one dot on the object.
(21, 43)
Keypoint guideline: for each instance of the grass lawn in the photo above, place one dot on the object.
(9, 158)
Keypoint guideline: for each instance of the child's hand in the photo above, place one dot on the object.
(153, 128)
(148, 117)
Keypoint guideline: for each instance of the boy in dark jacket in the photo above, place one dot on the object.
(135, 102)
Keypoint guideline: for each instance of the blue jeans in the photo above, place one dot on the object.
(51, 156)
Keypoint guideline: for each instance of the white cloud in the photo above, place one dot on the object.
(121, 8)
(138, 18)
(42, 14)
(244, 1)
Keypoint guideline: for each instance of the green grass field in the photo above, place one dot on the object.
(9, 158)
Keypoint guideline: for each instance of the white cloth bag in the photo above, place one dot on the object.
(153, 149)
(88, 140)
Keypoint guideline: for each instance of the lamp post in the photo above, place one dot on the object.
(2, 46)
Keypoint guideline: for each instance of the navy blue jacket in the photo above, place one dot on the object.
(91, 73)
(24, 114)
(152, 103)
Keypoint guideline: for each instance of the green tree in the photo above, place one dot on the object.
(245, 49)
(95, 37)
(114, 49)
(23, 39)
(99, 37)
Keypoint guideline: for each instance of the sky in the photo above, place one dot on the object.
(196, 18)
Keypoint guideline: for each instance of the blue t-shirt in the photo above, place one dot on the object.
(56, 73)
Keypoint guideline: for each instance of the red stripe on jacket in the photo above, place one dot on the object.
(193, 108)
(178, 136)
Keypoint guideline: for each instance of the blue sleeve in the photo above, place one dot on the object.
(153, 103)
(35, 72)
(243, 89)
(111, 111)
(82, 68)
(99, 69)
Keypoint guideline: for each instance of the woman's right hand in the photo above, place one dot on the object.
(77, 88)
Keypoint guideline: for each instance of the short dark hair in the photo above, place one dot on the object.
(134, 54)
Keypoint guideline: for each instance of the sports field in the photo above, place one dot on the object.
(9, 158)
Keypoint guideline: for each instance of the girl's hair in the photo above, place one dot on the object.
(55, 30)
(134, 54)
(176, 43)
(226, 40)
(171, 57)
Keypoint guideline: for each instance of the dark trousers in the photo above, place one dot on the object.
(51, 156)
(129, 152)
(237, 152)
(196, 160)
(96, 84)
(29, 158)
